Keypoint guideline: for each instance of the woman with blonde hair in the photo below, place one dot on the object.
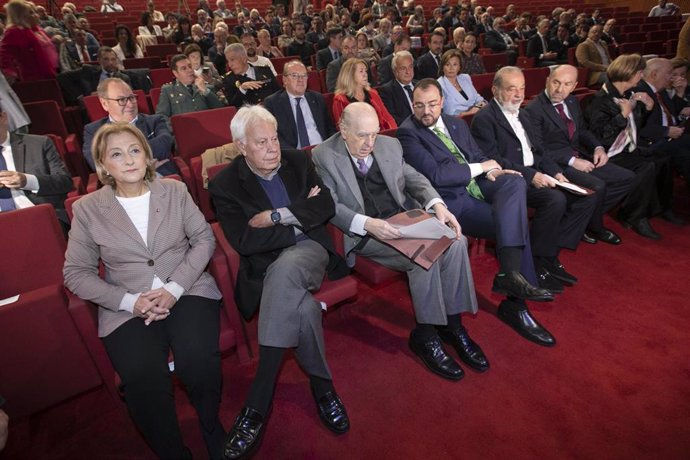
(353, 86)
(26, 52)
(155, 295)
(265, 48)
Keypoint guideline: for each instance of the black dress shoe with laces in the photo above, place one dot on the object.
(245, 434)
(587, 238)
(605, 235)
(467, 349)
(332, 412)
(520, 319)
(515, 285)
(435, 358)
(547, 281)
(558, 271)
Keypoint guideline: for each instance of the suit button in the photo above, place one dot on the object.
(150, 263)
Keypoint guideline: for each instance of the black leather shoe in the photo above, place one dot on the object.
(245, 434)
(332, 412)
(467, 349)
(587, 238)
(515, 285)
(558, 271)
(670, 216)
(644, 228)
(436, 359)
(605, 235)
(549, 282)
(520, 319)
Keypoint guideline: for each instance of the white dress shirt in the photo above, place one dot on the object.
(20, 199)
(313, 132)
(519, 130)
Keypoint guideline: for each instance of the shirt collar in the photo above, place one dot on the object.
(651, 86)
(133, 122)
(268, 176)
(440, 125)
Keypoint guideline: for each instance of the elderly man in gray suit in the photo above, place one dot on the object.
(370, 182)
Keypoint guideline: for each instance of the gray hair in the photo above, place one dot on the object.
(246, 116)
(400, 55)
(235, 48)
(498, 76)
(653, 65)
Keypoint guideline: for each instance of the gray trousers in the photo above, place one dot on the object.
(447, 288)
(289, 316)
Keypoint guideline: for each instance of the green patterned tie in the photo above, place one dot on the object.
(472, 188)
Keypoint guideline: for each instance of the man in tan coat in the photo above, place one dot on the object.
(594, 55)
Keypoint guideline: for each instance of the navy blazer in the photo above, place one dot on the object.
(425, 152)
(279, 105)
(156, 131)
(651, 131)
(552, 134)
(496, 138)
(535, 48)
(494, 40)
(426, 67)
(324, 57)
(395, 100)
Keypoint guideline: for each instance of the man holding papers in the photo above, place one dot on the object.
(504, 133)
(370, 182)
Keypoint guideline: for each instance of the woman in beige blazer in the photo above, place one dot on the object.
(154, 245)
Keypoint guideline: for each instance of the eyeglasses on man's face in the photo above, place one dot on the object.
(122, 101)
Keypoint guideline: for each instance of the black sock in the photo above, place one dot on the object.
(424, 332)
(261, 391)
(509, 258)
(320, 385)
(454, 322)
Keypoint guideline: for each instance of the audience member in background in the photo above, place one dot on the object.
(222, 11)
(120, 103)
(215, 156)
(253, 58)
(397, 93)
(353, 86)
(204, 21)
(183, 32)
(500, 42)
(594, 55)
(678, 90)
(664, 8)
(44, 19)
(522, 30)
(365, 51)
(608, 34)
(368, 23)
(91, 75)
(384, 70)
(203, 68)
(561, 43)
(436, 19)
(415, 23)
(299, 46)
(203, 5)
(31, 171)
(72, 24)
(316, 34)
(459, 34)
(156, 15)
(538, 46)
(350, 163)
(614, 115)
(84, 24)
(428, 64)
(154, 244)
(265, 48)
(18, 121)
(561, 131)
(332, 51)
(302, 115)
(74, 52)
(244, 26)
(273, 209)
(459, 95)
(201, 38)
(21, 35)
(188, 93)
(471, 63)
(484, 26)
(246, 83)
(111, 6)
(505, 133)
(147, 26)
(661, 128)
(348, 50)
(383, 38)
(217, 52)
(169, 30)
(126, 47)
(285, 38)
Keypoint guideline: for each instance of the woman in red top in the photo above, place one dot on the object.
(26, 52)
(353, 86)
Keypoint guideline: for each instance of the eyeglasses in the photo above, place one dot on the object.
(421, 106)
(122, 101)
(298, 76)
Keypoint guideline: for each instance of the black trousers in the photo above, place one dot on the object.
(652, 184)
(679, 151)
(611, 184)
(559, 220)
(139, 354)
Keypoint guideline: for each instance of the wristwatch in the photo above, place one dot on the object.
(275, 217)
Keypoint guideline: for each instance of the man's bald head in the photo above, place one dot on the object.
(658, 72)
(561, 82)
(359, 126)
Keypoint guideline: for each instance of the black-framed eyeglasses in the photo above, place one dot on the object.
(122, 101)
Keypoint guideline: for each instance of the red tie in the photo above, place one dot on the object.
(669, 116)
(568, 122)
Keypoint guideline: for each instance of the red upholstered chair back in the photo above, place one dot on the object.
(95, 110)
(46, 118)
(159, 77)
(33, 241)
(196, 132)
(39, 90)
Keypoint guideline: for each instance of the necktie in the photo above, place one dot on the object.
(335, 55)
(408, 89)
(302, 135)
(191, 89)
(6, 200)
(362, 166)
(437, 59)
(472, 188)
(568, 122)
(670, 119)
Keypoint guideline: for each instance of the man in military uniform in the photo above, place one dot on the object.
(188, 93)
(245, 83)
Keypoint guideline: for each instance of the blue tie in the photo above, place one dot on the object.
(302, 134)
(6, 200)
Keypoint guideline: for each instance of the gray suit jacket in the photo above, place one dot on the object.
(178, 247)
(334, 165)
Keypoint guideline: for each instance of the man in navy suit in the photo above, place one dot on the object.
(488, 201)
(397, 93)
(120, 102)
(561, 131)
(332, 51)
(308, 124)
(505, 134)
(427, 66)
